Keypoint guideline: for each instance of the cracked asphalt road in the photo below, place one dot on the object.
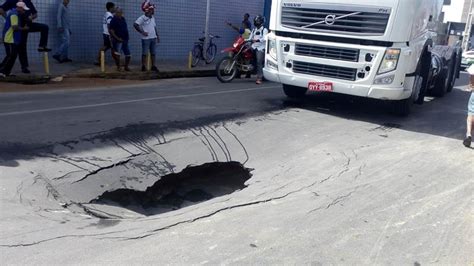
(335, 179)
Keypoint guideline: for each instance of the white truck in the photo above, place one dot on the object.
(382, 49)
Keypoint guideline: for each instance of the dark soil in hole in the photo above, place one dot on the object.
(191, 186)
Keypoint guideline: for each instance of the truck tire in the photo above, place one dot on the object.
(458, 62)
(442, 83)
(294, 91)
(402, 107)
(425, 71)
(453, 70)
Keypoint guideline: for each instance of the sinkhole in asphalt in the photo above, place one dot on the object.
(193, 185)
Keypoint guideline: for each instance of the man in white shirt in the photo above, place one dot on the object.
(146, 26)
(258, 38)
(109, 14)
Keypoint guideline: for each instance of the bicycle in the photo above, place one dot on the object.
(198, 51)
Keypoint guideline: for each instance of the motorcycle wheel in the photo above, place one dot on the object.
(226, 69)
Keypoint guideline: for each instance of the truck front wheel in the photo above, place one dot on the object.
(453, 74)
(402, 107)
(294, 91)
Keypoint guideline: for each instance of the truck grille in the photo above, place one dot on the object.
(319, 51)
(324, 70)
(336, 20)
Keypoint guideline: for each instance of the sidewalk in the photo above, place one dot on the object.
(81, 75)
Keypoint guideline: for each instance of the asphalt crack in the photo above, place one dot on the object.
(360, 170)
(56, 238)
(56, 157)
(156, 231)
(337, 200)
(240, 142)
(225, 149)
(130, 158)
(190, 221)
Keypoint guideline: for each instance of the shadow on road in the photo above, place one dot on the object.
(444, 117)
(135, 134)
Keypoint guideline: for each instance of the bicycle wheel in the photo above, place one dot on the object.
(197, 54)
(211, 53)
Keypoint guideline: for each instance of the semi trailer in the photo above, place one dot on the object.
(383, 49)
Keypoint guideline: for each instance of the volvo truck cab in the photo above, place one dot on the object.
(379, 49)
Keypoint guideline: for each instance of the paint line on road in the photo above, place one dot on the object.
(96, 89)
(131, 101)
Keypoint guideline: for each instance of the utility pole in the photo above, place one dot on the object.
(206, 30)
(468, 29)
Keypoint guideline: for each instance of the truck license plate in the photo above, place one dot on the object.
(320, 86)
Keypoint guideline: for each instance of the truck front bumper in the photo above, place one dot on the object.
(404, 91)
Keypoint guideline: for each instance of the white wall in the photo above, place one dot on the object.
(453, 12)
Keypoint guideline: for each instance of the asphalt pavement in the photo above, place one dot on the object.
(91, 176)
(56, 116)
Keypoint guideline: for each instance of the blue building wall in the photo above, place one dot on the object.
(180, 23)
(267, 10)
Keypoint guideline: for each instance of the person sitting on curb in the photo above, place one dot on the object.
(64, 29)
(28, 18)
(12, 37)
(146, 26)
(470, 109)
(119, 34)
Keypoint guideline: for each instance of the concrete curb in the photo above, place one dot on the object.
(27, 80)
(146, 75)
(44, 79)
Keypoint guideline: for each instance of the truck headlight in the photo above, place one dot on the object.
(390, 60)
(272, 49)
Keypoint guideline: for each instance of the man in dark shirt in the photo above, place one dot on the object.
(246, 21)
(119, 34)
(27, 19)
(12, 37)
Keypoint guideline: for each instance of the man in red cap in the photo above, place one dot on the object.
(146, 26)
(147, 4)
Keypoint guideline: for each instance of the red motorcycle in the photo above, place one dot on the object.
(239, 61)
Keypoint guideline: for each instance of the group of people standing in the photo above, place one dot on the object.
(116, 36)
(20, 16)
(20, 19)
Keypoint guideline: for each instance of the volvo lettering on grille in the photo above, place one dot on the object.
(331, 19)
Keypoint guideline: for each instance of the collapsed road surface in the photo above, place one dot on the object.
(192, 172)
